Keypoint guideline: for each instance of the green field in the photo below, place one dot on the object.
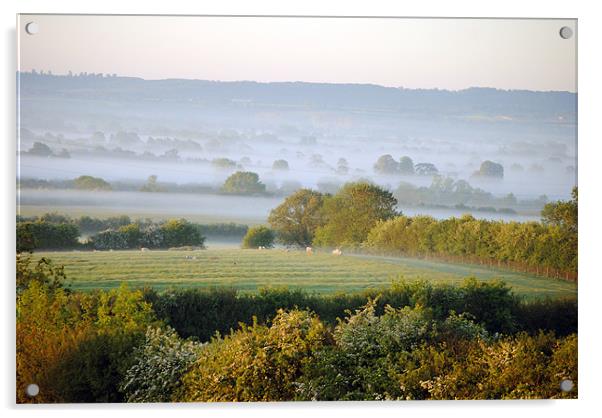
(249, 270)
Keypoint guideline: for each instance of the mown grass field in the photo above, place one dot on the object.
(249, 270)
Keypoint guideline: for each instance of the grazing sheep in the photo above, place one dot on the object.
(143, 249)
(309, 251)
(337, 252)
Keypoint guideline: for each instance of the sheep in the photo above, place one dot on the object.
(309, 251)
(143, 249)
(337, 252)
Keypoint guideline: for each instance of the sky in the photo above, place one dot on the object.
(448, 54)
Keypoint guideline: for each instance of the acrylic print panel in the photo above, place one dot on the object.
(295, 208)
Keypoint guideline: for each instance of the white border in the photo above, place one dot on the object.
(590, 137)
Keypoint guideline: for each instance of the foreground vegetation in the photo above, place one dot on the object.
(412, 341)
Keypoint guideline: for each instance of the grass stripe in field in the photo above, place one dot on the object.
(250, 269)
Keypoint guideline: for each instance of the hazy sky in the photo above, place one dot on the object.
(412, 53)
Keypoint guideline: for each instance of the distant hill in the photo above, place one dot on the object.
(481, 101)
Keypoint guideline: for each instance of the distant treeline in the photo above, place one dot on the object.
(56, 231)
(443, 193)
(459, 194)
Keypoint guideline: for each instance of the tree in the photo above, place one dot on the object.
(426, 169)
(562, 213)
(406, 165)
(152, 185)
(342, 166)
(386, 165)
(40, 149)
(296, 219)
(352, 212)
(490, 169)
(180, 232)
(258, 236)
(223, 163)
(280, 165)
(91, 183)
(243, 182)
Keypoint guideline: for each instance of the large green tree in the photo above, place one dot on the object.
(297, 218)
(562, 213)
(243, 182)
(352, 213)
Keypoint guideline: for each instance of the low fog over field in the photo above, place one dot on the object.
(193, 134)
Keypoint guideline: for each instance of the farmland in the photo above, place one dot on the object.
(248, 270)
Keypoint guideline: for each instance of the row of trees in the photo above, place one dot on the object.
(362, 215)
(532, 246)
(118, 346)
(172, 233)
(457, 193)
(386, 164)
(50, 234)
(57, 231)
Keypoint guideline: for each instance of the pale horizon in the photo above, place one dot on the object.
(410, 53)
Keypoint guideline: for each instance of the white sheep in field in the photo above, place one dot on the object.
(143, 249)
(261, 247)
(337, 252)
(309, 251)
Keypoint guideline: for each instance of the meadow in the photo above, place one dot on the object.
(249, 270)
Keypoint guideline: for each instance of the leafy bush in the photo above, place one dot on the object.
(259, 236)
(257, 363)
(76, 346)
(180, 232)
(202, 312)
(521, 367)
(158, 366)
(46, 235)
(43, 272)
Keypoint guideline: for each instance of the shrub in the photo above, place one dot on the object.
(77, 346)
(257, 363)
(180, 232)
(91, 183)
(158, 366)
(46, 235)
(258, 236)
(520, 367)
(109, 240)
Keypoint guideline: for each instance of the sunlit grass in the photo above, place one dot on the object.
(249, 270)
